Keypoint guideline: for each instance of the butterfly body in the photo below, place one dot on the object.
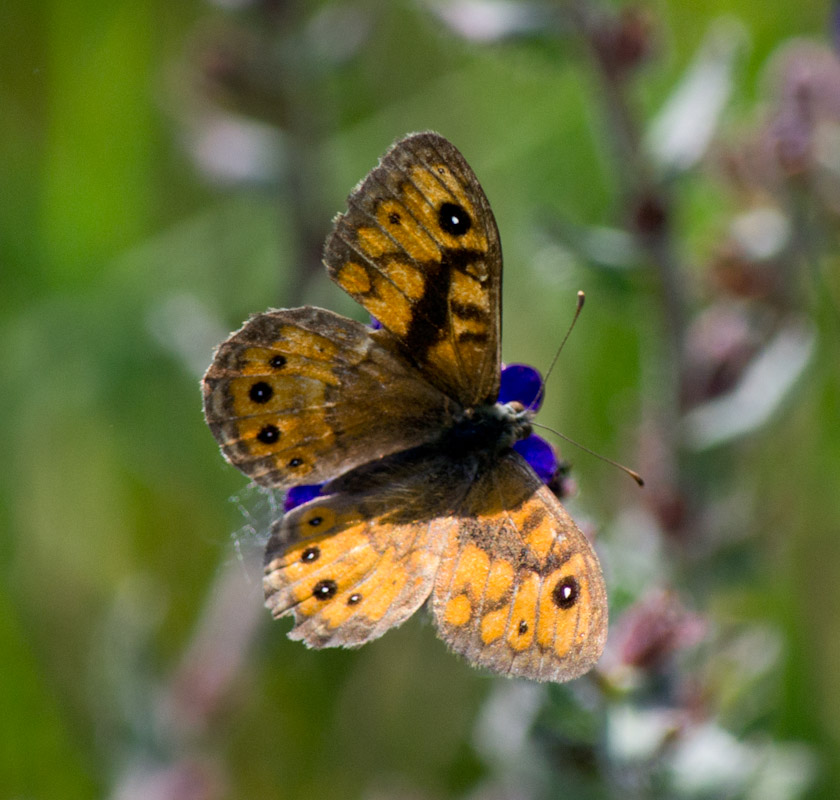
(424, 498)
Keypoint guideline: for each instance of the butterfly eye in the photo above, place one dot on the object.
(453, 219)
(566, 593)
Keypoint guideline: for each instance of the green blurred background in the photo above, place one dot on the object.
(168, 169)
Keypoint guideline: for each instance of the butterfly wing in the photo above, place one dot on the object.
(419, 249)
(362, 557)
(519, 589)
(515, 586)
(301, 395)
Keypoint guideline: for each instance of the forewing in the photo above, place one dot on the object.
(519, 589)
(300, 395)
(419, 249)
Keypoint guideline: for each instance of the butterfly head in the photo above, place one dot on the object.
(487, 429)
(521, 392)
(516, 418)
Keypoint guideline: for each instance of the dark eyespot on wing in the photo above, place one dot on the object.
(454, 219)
(566, 593)
(269, 434)
(310, 554)
(261, 392)
(325, 589)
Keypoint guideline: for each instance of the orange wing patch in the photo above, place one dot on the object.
(292, 397)
(345, 573)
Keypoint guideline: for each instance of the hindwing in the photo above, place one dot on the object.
(519, 589)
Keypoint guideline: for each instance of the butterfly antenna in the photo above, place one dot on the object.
(581, 297)
(632, 473)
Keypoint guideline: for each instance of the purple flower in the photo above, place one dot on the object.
(539, 454)
(298, 495)
(523, 384)
(519, 383)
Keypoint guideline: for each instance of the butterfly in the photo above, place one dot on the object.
(422, 498)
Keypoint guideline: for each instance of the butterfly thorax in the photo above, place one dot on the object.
(487, 429)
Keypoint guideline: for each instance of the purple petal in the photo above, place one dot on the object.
(298, 495)
(521, 383)
(539, 454)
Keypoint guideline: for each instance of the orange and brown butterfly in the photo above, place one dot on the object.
(421, 494)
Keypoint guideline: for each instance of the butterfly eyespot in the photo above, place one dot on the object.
(441, 170)
(324, 590)
(295, 462)
(354, 599)
(453, 219)
(261, 392)
(394, 218)
(277, 362)
(566, 593)
(310, 554)
(269, 434)
(523, 627)
(316, 521)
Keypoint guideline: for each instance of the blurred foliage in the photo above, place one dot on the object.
(169, 169)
